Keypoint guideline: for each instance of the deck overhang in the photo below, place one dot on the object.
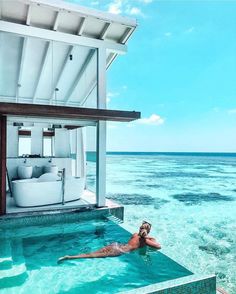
(49, 35)
(65, 112)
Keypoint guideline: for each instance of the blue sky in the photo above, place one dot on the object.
(180, 72)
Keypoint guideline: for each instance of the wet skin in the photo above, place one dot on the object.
(116, 249)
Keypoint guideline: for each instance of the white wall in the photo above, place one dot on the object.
(12, 141)
(62, 143)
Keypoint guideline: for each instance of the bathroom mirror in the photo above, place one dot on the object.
(24, 145)
(48, 142)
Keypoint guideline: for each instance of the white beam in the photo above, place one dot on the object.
(90, 89)
(79, 75)
(56, 22)
(43, 64)
(21, 67)
(47, 122)
(60, 37)
(28, 18)
(105, 30)
(82, 11)
(81, 26)
(60, 73)
(94, 82)
(127, 34)
(111, 59)
(101, 132)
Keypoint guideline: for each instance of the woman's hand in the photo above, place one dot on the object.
(62, 258)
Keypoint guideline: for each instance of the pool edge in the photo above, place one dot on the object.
(193, 284)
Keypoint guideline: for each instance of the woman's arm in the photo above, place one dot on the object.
(152, 243)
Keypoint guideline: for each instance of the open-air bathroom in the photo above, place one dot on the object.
(46, 165)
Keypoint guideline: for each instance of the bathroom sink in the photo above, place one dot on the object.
(51, 169)
(25, 171)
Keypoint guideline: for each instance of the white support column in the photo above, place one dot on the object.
(12, 141)
(101, 131)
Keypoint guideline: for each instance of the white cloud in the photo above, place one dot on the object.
(216, 109)
(146, 1)
(154, 119)
(121, 6)
(135, 11)
(190, 30)
(232, 111)
(115, 7)
(111, 95)
(168, 34)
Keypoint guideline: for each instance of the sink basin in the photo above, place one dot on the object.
(51, 169)
(25, 171)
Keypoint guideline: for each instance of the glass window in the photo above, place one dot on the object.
(47, 146)
(24, 145)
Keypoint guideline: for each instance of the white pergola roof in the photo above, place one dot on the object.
(48, 50)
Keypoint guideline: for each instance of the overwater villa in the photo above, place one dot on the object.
(54, 58)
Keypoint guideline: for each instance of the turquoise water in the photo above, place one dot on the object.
(191, 201)
(31, 254)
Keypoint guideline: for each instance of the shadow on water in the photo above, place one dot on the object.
(198, 198)
(214, 249)
(137, 199)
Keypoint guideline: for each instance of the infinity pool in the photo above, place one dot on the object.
(28, 260)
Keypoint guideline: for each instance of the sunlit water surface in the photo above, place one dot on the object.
(191, 202)
(29, 256)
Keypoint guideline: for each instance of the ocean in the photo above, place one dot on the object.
(190, 199)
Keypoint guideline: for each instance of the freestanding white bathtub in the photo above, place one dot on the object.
(33, 192)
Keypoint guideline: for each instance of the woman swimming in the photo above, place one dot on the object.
(138, 240)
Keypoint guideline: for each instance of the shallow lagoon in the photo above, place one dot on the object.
(191, 202)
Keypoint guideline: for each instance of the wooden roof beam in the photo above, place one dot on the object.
(63, 112)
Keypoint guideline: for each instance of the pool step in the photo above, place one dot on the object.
(114, 219)
(5, 263)
(14, 276)
(12, 264)
(5, 254)
(15, 270)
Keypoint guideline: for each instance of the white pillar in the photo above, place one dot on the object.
(79, 153)
(12, 141)
(62, 143)
(101, 130)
